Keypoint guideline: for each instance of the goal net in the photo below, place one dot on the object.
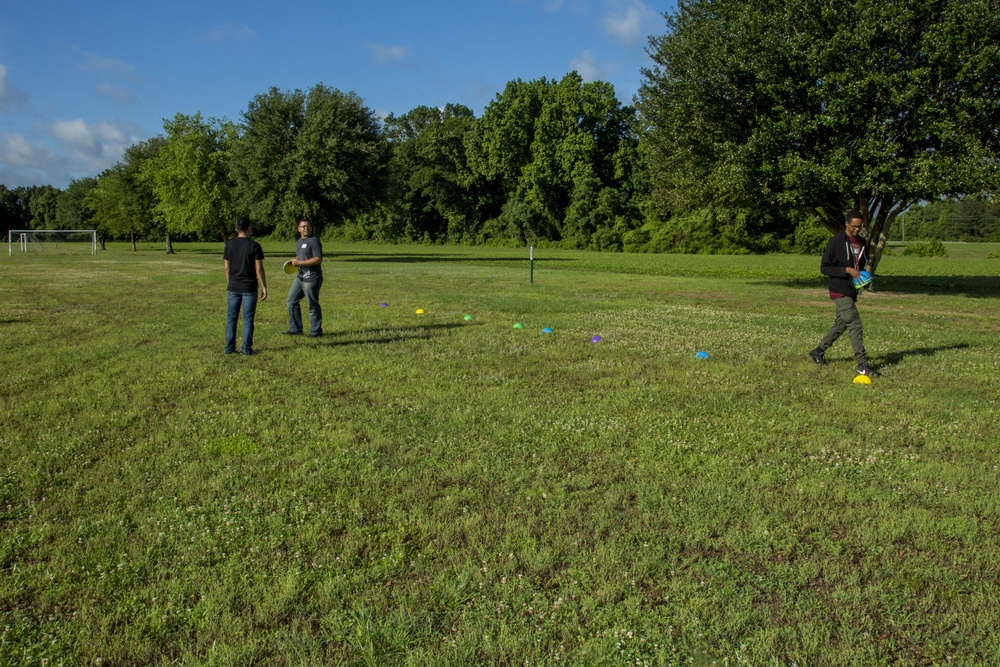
(52, 241)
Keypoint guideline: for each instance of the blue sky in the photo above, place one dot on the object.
(79, 81)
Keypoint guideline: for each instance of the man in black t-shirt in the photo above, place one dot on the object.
(844, 258)
(243, 259)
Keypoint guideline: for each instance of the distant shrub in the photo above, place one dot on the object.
(704, 232)
(810, 237)
(932, 248)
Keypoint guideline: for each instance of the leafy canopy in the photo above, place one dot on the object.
(824, 106)
(319, 154)
(565, 155)
(190, 176)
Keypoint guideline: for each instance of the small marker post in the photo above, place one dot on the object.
(531, 264)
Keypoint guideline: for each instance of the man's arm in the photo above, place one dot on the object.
(829, 266)
(261, 279)
(225, 266)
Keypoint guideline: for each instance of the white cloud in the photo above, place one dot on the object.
(388, 54)
(91, 142)
(630, 22)
(117, 68)
(77, 137)
(10, 95)
(65, 150)
(111, 73)
(117, 94)
(235, 32)
(16, 151)
(552, 6)
(589, 69)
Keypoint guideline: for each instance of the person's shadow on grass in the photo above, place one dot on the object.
(385, 335)
(893, 358)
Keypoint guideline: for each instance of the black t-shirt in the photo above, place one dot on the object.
(242, 254)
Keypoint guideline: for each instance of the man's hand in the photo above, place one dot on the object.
(853, 273)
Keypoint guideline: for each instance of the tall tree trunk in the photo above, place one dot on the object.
(170, 246)
(830, 216)
(132, 235)
(887, 214)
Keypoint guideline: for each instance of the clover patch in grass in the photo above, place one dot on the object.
(238, 445)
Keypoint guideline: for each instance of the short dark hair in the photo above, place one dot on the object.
(242, 224)
(853, 214)
(311, 228)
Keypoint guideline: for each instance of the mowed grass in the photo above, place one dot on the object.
(426, 490)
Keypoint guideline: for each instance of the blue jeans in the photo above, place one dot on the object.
(249, 303)
(310, 291)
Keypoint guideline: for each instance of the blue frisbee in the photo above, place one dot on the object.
(864, 279)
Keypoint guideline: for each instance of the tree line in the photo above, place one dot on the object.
(970, 220)
(757, 125)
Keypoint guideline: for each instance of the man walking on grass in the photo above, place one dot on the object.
(843, 260)
(243, 261)
(308, 257)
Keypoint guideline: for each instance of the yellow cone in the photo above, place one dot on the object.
(420, 311)
(862, 379)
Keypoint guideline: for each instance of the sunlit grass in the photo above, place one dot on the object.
(430, 490)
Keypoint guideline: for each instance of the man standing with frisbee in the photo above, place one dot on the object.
(842, 262)
(308, 257)
(243, 261)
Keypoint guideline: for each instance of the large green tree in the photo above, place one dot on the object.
(108, 204)
(433, 191)
(320, 154)
(190, 175)
(11, 210)
(565, 154)
(264, 159)
(342, 157)
(123, 203)
(45, 207)
(824, 106)
(71, 209)
(28, 207)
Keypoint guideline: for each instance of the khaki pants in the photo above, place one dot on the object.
(848, 320)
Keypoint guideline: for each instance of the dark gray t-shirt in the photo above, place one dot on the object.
(308, 248)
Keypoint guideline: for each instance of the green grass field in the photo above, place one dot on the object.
(423, 490)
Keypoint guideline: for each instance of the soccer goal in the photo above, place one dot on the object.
(53, 241)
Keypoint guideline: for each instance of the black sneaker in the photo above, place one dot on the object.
(291, 333)
(865, 369)
(817, 356)
(318, 334)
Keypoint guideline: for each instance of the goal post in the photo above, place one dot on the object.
(29, 240)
